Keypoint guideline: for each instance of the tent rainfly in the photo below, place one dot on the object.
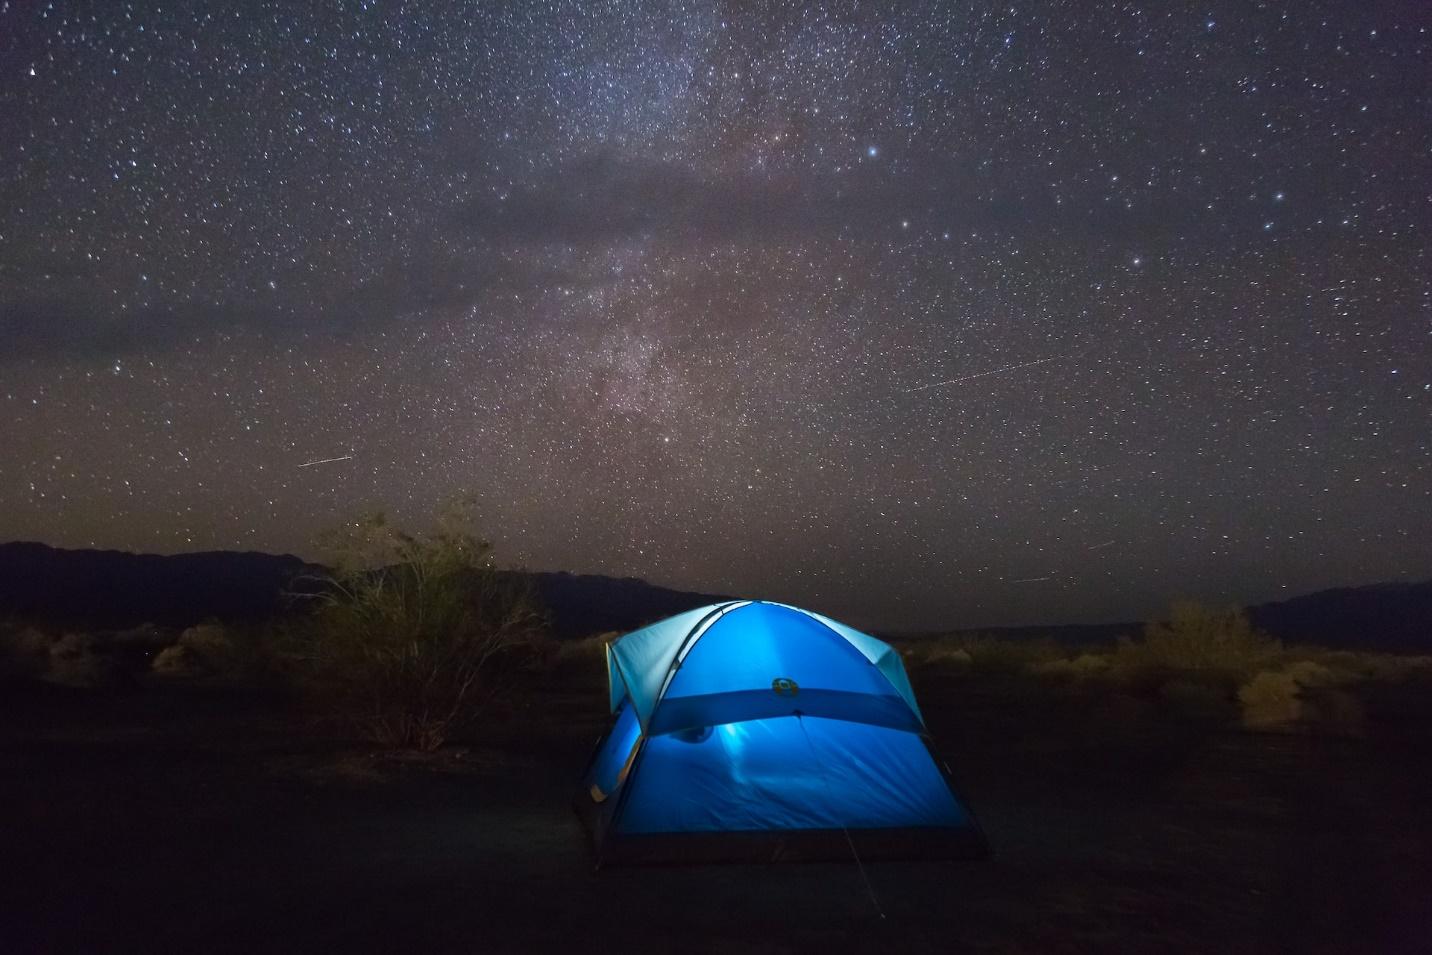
(751, 730)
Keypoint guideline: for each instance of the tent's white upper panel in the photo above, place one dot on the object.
(642, 664)
(639, 662)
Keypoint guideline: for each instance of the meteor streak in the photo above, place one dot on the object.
(992, 371)
(309, 464)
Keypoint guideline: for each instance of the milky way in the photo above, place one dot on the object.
(918, 314)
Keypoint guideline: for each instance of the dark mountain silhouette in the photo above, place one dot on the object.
(1386, 617)
(1392, 616)
(583, 604)
(113, 590)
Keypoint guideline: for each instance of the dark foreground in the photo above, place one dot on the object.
(175, 817)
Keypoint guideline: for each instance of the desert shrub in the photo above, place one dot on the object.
(576, 662)
(24, 652)
(1305, 691)
(213, 651)
(75, 660)
(934, 651)
(587, 652)
(983, 652)
(1325, 701)
(208, 640)
(413, 634)
(174, 660)
(912, 652)
(959, 656)
(1198, 638)
(1082, 667)
(204, 649)
(1270, 700)
(1382, 667)
(1311, 674)
(145, 636)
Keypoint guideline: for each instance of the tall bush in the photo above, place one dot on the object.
(412, 634)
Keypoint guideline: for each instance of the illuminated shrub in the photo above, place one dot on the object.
(1199, 638)
(173, 661)
(413, 635)
(1270, 700)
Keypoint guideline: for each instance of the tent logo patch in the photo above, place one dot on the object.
(785, 686)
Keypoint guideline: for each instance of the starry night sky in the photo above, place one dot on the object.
(919, 314)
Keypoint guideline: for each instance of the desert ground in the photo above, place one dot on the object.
(184, 814)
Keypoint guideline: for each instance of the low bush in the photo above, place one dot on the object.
(922, 653)
(173, 660)
(24, 652)
(1382, 667)
(1082, 667)
(76, 660)
(982, 652)
(214, 651)
(1311, 674)
(586, 653)
(1270, 700)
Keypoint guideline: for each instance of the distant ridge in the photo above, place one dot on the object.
(583, 604)
(107, 589)
(1393, 617)
(113, 590)
(110, 589)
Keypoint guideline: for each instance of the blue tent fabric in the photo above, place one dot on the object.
(614, 757)
(788, 773)
(883, 655)
(751, 729)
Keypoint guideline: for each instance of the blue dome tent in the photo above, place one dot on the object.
(753, 730)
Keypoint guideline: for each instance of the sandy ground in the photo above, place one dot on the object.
(174, 818)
